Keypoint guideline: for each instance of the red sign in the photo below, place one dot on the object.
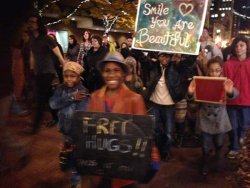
(210, 89)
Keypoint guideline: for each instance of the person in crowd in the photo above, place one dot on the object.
(105, 42)
(124, 45)
(109, 45)
(92, 78)
(142, 66)
(115, 97)
(212, 119)
(73, 49)
(84, 48)
(237, 68)
(198, 68)
(29, 83)
(210, 48)
(68, 98)
(42, 67)
(180, 106)
(185, 65)
(120, 46)
(164, 90)
(117, 46)
(132, 80)
(126, 51)
(58, 67)
(25, 50)
(227, 51)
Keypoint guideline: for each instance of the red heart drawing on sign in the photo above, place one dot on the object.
(185, 9)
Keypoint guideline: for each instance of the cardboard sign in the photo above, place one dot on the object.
(112, 145)
(210, 89)
(170, 25)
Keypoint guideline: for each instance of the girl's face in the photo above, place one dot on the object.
(95, 43)
(113, 75)
(205, 35)
(124, 45)
(70, 78)
(215, 70)
(71, 40)
(86, 35)
(241, 49)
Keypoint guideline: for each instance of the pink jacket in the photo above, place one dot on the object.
(239, 73)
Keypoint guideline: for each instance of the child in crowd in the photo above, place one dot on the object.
(132, 80)
(68, 98)
(116, 97)
(213, 119)
(237, 68)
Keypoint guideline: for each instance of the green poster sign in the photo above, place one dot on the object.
(170, 25)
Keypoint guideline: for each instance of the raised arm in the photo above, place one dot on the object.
(57, 52)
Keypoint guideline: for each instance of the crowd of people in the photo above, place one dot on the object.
(99, 76)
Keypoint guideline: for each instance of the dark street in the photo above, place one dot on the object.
(42, 170)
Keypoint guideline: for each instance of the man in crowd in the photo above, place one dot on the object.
(42, 66)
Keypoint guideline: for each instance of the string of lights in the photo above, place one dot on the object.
(70, 14)
(46, 6)
(108, 23)
(241, 15)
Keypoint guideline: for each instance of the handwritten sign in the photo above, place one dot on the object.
(112, 145)
(172, 26)
(210, 89)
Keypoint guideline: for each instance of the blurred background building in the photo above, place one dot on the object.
(229, 18)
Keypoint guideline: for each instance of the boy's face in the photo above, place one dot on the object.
(164, 59)
(214, 70)
(129, 42)
(32, 24)
(70, 78)
(113, 75)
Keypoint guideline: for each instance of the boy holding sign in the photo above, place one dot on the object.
(115, 97)
(212, 118)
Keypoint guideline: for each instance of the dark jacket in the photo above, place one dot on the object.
(92, 77)
(172, 78)
(72, 52)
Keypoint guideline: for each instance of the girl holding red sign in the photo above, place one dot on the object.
(212, 119)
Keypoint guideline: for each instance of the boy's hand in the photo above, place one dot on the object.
(79, 95)
(191, 87)
(228, 86)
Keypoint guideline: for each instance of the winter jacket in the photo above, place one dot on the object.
(239, 73)
(172, 80)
